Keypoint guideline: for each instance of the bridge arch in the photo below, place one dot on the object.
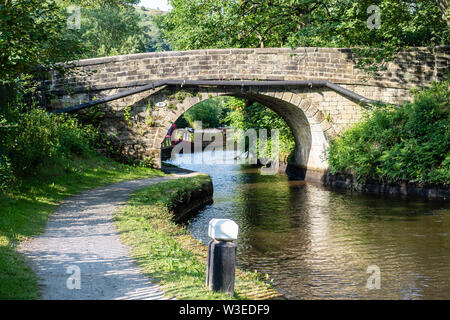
(311, 131)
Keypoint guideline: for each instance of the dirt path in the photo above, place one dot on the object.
(81, 235)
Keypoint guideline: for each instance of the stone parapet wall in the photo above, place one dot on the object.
(412, 68)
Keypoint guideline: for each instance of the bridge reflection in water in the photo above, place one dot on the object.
(318, 244)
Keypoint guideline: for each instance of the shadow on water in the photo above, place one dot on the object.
(317, 244)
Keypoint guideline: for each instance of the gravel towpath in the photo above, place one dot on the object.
(81, 236)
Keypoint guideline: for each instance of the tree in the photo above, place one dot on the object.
(30, 36)
(233, 23)
(153, 37)
(210, 112)
(111, 30)
(96, 3)
(401, 24)
(201, 24)
(35, 37)
(113, 27)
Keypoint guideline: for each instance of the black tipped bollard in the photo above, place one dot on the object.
(221, 266)
(221, 261)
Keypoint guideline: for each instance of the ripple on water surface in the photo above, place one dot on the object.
(318, 244)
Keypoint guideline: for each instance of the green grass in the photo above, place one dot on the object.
(165, 250)
(24, 211)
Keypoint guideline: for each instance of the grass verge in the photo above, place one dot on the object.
(165, 250)
(24, 211)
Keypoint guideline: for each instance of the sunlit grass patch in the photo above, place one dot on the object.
(168, 254)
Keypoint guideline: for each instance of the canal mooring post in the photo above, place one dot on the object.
(221, 261)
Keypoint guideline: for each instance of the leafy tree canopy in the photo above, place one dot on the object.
(153, 37)
(210, 112)
(35, 33)
(110, 30)
(30, 36)
(201, 24)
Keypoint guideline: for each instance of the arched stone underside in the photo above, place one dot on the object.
(306, 121)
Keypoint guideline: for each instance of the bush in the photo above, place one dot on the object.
(6, 173)
(40, 138)
(408, 144)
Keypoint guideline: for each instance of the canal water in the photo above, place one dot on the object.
(316, 243)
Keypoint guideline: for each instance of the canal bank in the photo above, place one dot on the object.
(350, 182)
(165, 250)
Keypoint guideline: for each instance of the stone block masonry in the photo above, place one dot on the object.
(314, 115)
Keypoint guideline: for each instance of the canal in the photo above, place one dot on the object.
(316, 243)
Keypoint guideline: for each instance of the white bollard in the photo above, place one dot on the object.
(223, 230)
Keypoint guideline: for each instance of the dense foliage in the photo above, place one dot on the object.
(36, 33)
(115, 28)
(200, 24)
(245, 115)
(153, 37)
(110, 30)
(210, 112)
(30, 36)
(40, 139)
(391, 144)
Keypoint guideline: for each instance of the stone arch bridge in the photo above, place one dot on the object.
(318, 91)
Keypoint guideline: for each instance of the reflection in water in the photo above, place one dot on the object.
(317, 244)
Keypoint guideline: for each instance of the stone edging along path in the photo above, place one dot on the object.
(80, 239)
